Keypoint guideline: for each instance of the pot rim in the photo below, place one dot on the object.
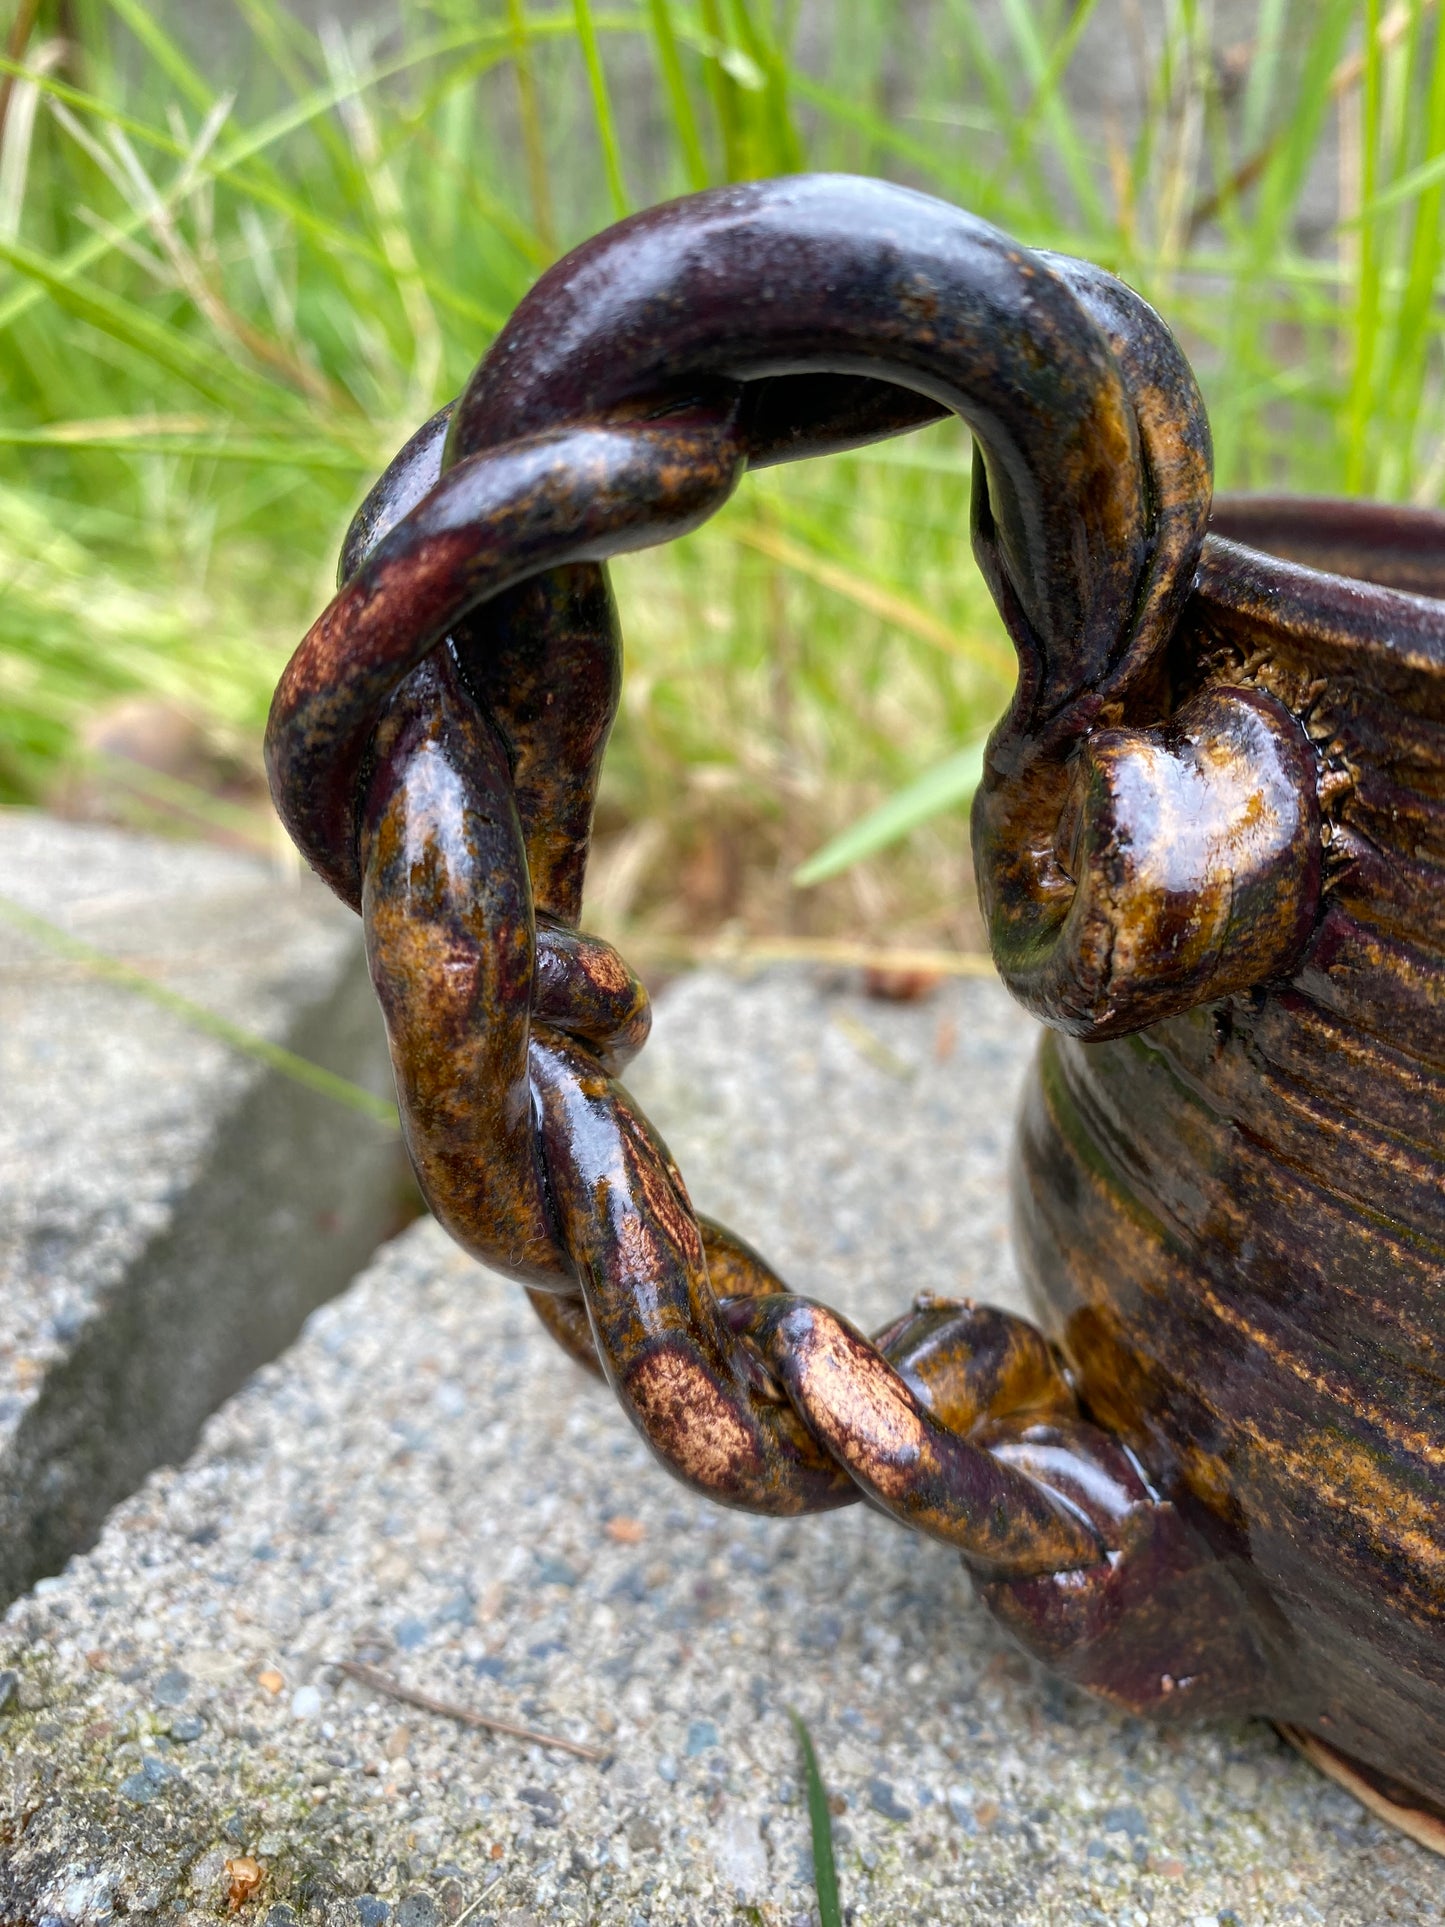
(1339, 622)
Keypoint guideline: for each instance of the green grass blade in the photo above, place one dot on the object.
(1256, 272)
(285, 43)
(601, 107)
(1028, 185)
(723, 90)
(176, 353)
(301, 1070)
(274, 452)
(1259, 90)
(248, 146)
(346, 241)
(674, 81)
(889, 139)
(947, 786)
(1367, 293)
(780, 150)
(88, 103)
(825, 1872)
(539, 181)
(1302, 120)
(876, 597)
(1427, 250)
(1427, 175)
(300, 57)
(1048, 105)
(142, 22)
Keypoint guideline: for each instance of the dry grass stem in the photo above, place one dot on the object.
(390, 1688)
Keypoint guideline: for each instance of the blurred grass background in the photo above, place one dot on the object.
(243, 251)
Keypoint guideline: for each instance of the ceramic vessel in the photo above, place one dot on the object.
(1233, 1221)
(1209, 842)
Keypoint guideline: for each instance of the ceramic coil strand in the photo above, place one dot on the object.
(1206, 843)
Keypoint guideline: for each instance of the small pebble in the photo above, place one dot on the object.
(143, 1787)
(546, 1807)
(1125, 1820)
(960, 1806)
(884, 1800)
(556, 1572)
(172, 1688)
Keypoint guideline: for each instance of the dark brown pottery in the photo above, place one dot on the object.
(1233, 1221)
(1209, 843)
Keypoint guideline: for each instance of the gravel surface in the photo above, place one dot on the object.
(170, 1210)
(423, 1483)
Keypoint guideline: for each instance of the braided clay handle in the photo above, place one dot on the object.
(434, 748)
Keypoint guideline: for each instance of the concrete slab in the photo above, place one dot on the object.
(170, 1209)
(423, 1483)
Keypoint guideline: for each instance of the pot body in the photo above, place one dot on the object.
(1233, 1222)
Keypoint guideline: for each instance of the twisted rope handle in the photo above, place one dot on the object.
(435, 743)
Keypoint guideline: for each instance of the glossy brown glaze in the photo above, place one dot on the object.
(1208, 840)
(1235, 1221)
